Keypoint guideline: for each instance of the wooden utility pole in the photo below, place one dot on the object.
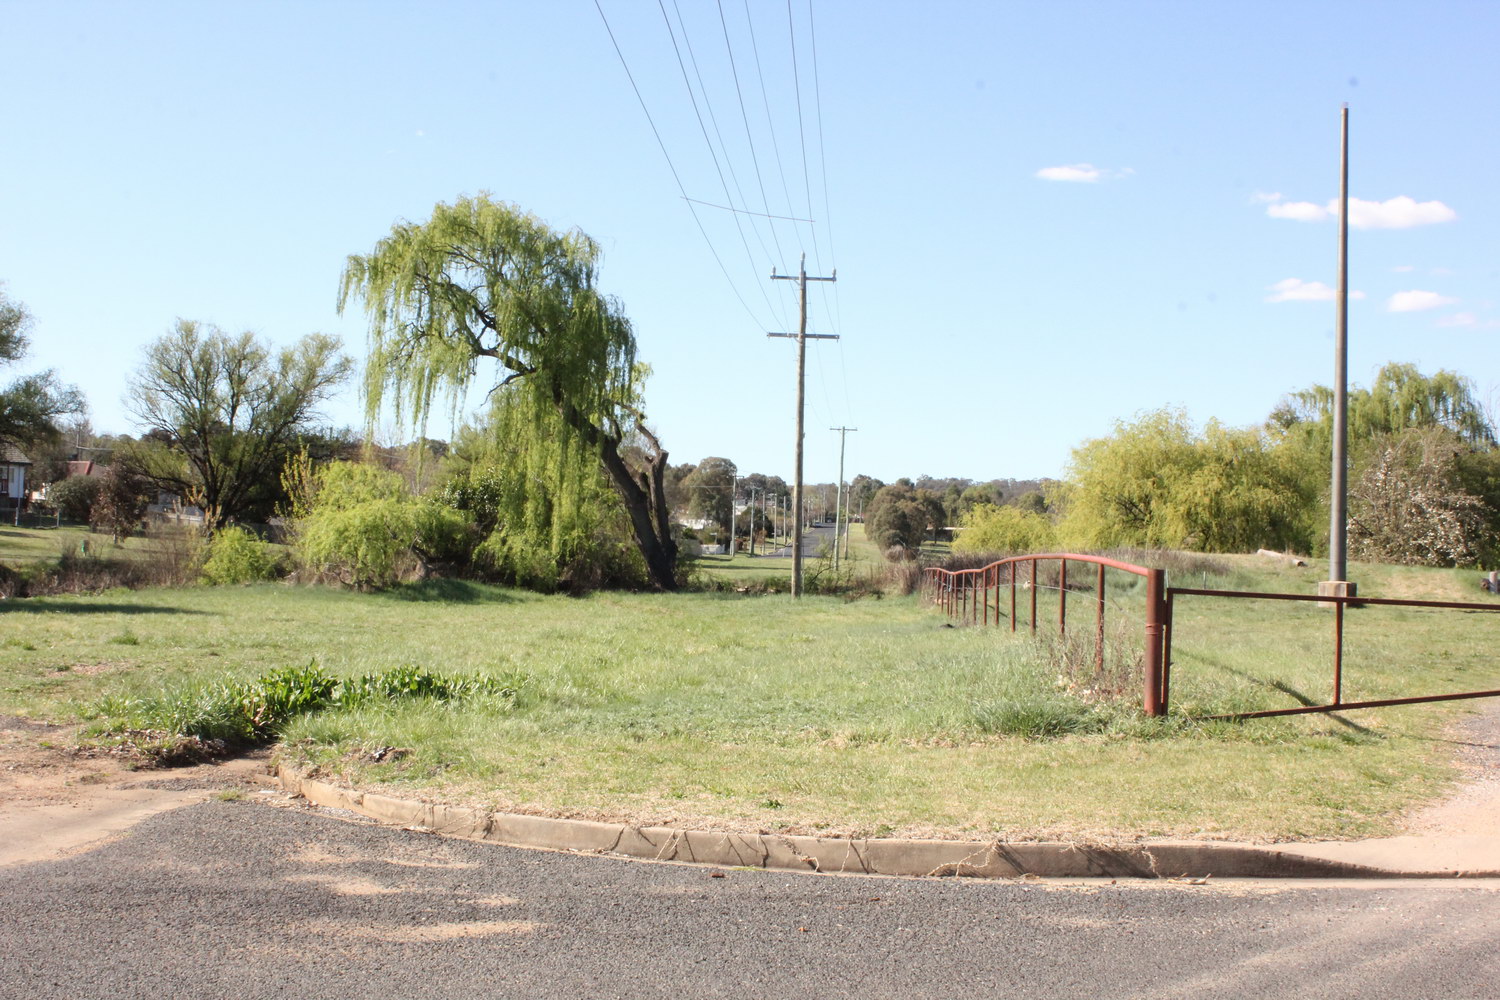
(801, 278)
(838, 504)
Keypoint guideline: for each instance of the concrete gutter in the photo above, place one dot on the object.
(1402, 857)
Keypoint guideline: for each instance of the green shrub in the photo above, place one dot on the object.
(74, 497)
(237, 556)
(988, 528)
(242, 713)
(366, 530)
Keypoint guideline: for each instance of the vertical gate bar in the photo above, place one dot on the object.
(1166, 653)
(1338, 652)
(1033, 596)
(1012, 597)
(1099, 627)
(987, 595)
(1062, 597)
(1157, 613)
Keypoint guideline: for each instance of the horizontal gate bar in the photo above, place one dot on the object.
(1345, 706)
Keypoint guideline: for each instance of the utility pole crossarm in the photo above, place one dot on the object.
(808, 336)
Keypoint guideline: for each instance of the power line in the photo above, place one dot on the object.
(686, 82)
(673, 168)
(766, 101)
(745, 211)
(749, 137)
(823, 167)
(708, 105)
(802, 131)
(802, 136)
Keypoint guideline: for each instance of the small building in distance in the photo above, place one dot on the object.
(13, 466)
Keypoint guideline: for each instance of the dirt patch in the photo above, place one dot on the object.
(57, 798)
(90, 669)
(1473, 807)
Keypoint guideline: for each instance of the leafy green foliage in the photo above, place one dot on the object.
(224, 413)
(31, 406)
(1400, 398)
(988, 528)
(74, 497)
(237, 556)
(365, 529)
(120, 503)
(899, 517)
(1158, 482)
(411, 681)
(483, 279)
(256, 711)
(710, 490)
(543, 518)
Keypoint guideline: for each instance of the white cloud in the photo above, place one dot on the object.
(1302, 211)
(1468, 320)
(1394, 213)
(1081, 173)
(1416, 301)
(1297, 290)
(1264, 197)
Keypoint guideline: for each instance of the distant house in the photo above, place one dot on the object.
(84, 467)
(13, 466)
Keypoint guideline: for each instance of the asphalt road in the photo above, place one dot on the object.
(237, 899)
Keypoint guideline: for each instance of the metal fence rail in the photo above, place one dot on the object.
(1340, 603)
(966, 594)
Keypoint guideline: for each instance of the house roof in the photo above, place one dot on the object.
(11, 455)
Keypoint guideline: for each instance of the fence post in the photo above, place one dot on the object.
(1033, 596)
(1012, 597)
(1062, 597)
(1155, 700)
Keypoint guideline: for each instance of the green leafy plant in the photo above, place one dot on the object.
(237, 556)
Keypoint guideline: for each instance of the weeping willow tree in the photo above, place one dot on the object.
(539, 518)
(1401, 398)
(483, 281)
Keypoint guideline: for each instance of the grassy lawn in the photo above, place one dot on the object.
(20, 546)
(867, 717)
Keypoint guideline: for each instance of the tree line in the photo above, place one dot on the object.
(1424, 482)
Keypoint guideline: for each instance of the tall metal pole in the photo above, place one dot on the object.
(803, 336)
(838, 503)
(1338, 567)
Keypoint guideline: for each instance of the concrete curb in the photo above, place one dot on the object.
(974, 859)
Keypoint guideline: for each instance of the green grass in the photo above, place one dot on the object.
(22, 546)
(865, 717)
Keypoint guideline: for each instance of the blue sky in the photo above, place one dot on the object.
(1045, 216)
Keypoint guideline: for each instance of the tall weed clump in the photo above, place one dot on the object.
(237, 556)
(231, 714)
(363, 528)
